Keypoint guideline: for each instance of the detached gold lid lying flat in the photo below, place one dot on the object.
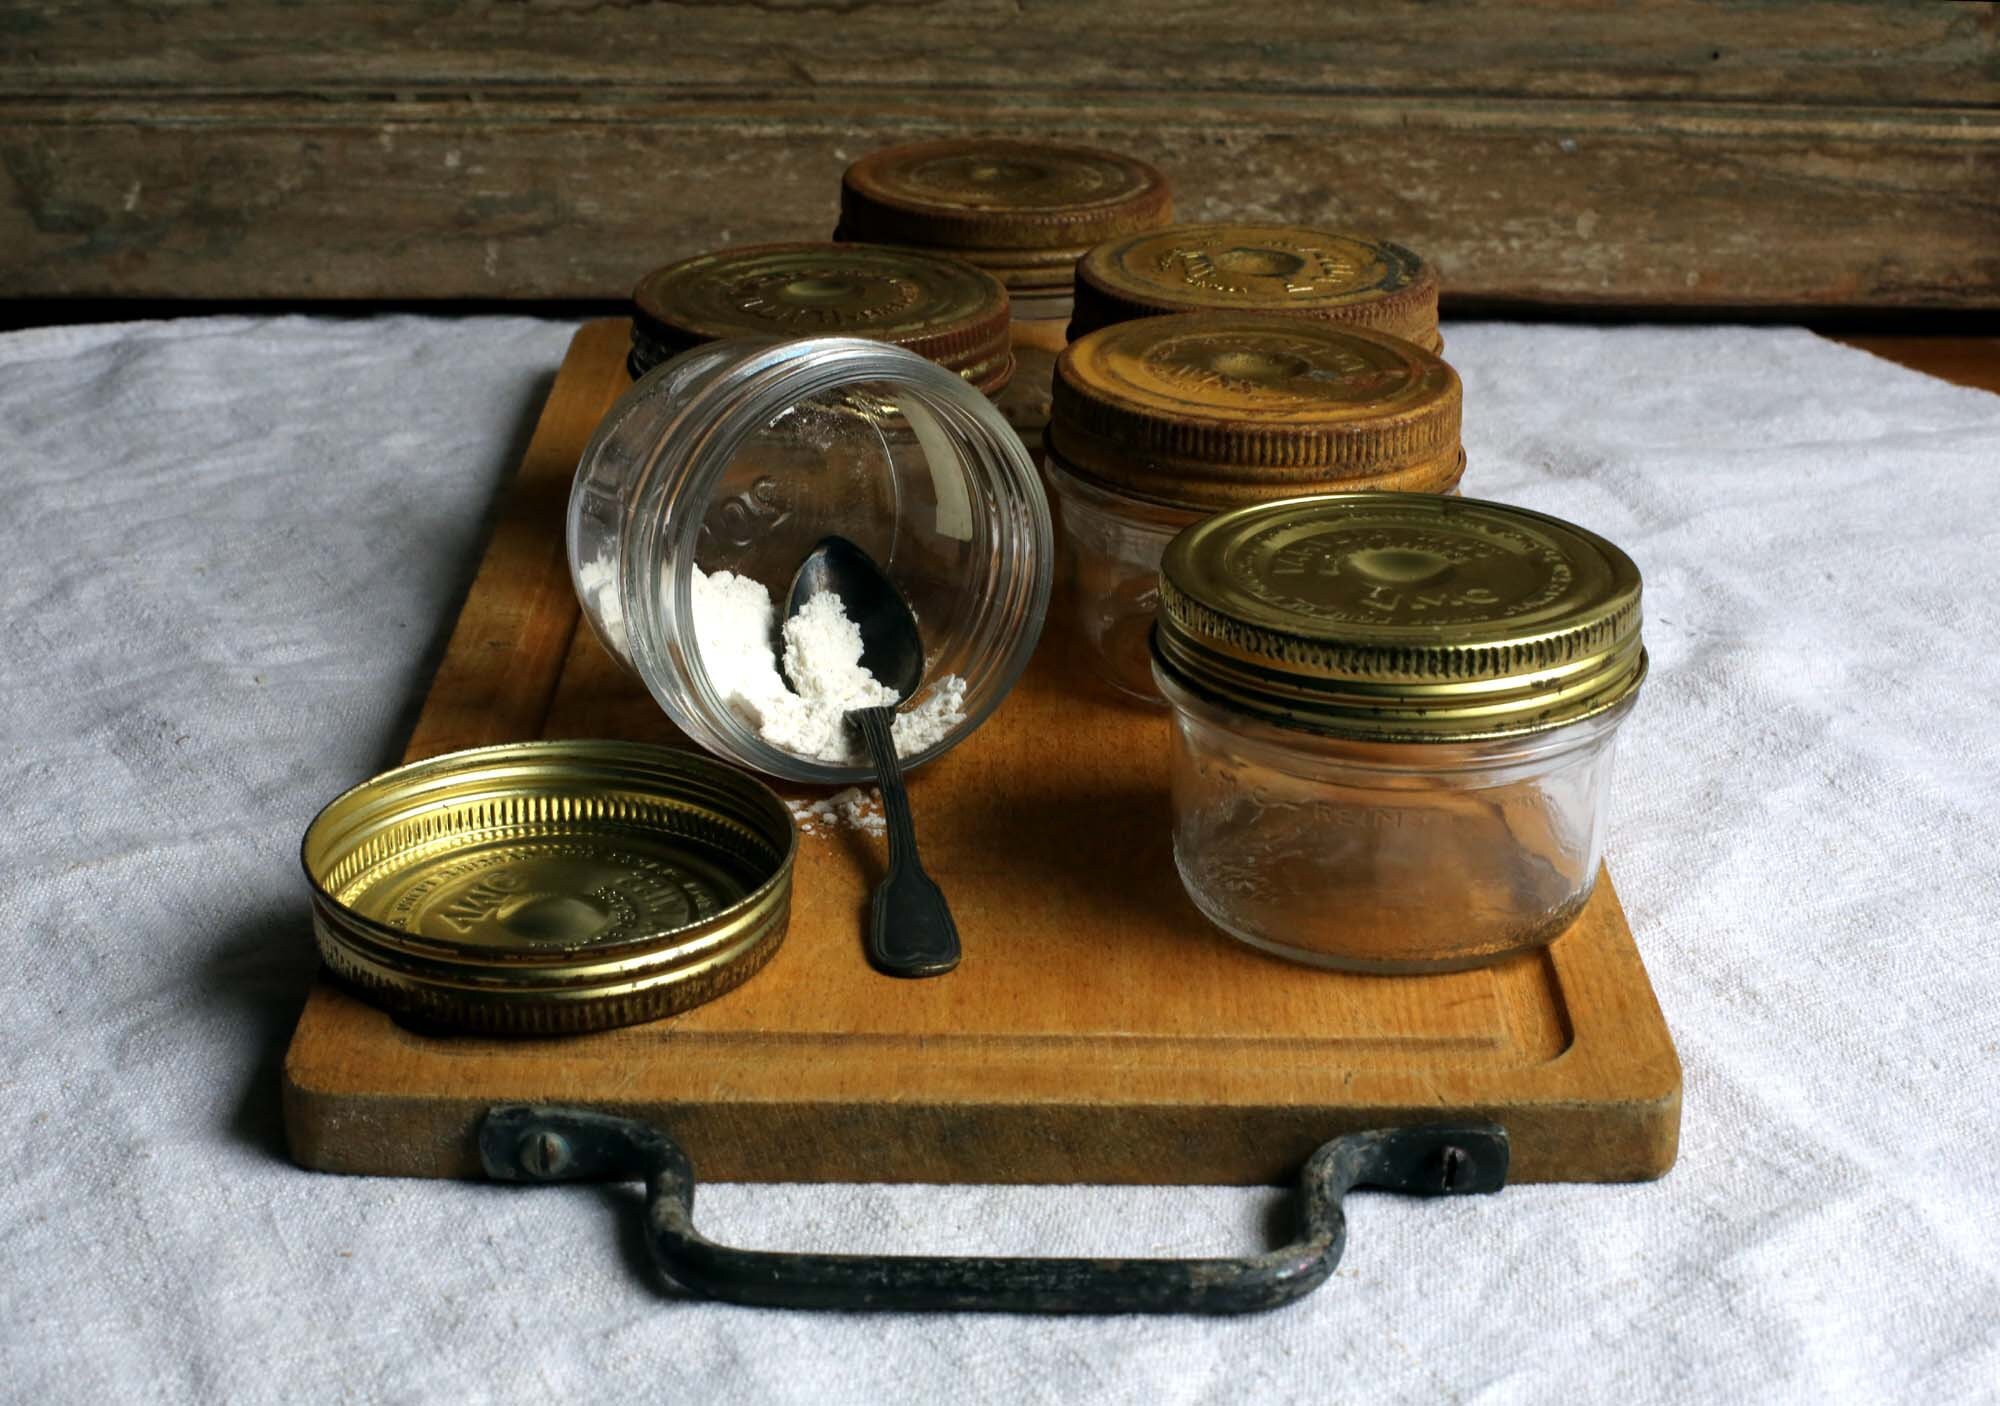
(936, 307)
(550, 887)
(1221, 409)
(1022, 210)
(1345, 278)
(1400, 617)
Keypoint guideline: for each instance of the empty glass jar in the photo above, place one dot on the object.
(741, 456)
(1393, 724)
(1158, 422)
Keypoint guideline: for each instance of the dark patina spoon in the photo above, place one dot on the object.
(910, 931)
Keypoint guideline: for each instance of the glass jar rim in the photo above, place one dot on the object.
(751, 382)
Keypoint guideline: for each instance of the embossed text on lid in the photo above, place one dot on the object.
(550, 887)
(1213, 410)
(995, 195)
(1285, 269)
(938, 307)
(1401, 615)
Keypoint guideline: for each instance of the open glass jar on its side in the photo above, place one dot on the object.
(741, 456)
(1159, 422)
(1393, 723)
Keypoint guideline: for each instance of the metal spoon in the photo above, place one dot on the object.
(910, 931)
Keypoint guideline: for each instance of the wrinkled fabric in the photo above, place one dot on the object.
(233, 549)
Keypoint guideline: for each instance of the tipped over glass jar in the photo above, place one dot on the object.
(1393, 724)
(726, 465)
(1158, 422)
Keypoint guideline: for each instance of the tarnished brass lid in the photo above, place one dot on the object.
(1400, 617)
(1023, 210)
(937, 307)
(550, 887)
(1345, 278)
(1220, 409)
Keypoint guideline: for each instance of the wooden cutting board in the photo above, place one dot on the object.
(1098, 1028)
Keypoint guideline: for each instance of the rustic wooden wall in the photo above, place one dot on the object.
(1768, 154)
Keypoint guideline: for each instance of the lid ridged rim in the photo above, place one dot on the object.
(871, 211)
(977, 345)
(1459, 683)
(1106, 292)
(537, 793)
(1221, 454)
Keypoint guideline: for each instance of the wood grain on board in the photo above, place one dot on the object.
(1965, 361)
(1761, 154)
(1098, 1030)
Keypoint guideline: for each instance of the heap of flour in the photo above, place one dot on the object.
(733, 628)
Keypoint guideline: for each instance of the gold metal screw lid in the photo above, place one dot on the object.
(550, 887)
(1400, 617)
(938, 307)
(1345, 278)
(1214, 410)
(1025, 210)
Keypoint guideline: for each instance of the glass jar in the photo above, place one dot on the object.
(1159, 422)
(1349, 279)
(741, 456)
(1393, 724)
(939, 308)
(1023, 211)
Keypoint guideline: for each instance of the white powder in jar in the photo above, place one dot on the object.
(734, 621)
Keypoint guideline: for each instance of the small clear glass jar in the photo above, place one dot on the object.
(1159, 422)
(1023, 211)
(743, 455)
(1394, 719)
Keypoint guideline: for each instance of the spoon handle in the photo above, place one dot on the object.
(910, 931)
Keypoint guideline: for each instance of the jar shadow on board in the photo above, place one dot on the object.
(741, 456)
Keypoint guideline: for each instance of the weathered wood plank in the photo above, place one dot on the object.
(1787, 51)
(1604, 203)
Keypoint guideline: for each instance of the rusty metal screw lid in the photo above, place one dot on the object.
(1400, 617)
(938, 307)
(1023, 210)
(1346, 278)
(550, 887)
(1220, 409)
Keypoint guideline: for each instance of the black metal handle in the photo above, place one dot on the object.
(910, 931)
(528, 1144)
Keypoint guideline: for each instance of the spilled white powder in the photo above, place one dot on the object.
(734, 621)
(853, 809)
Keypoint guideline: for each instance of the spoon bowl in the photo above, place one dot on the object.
(892, 648)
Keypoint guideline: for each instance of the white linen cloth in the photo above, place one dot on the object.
(233, 547)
